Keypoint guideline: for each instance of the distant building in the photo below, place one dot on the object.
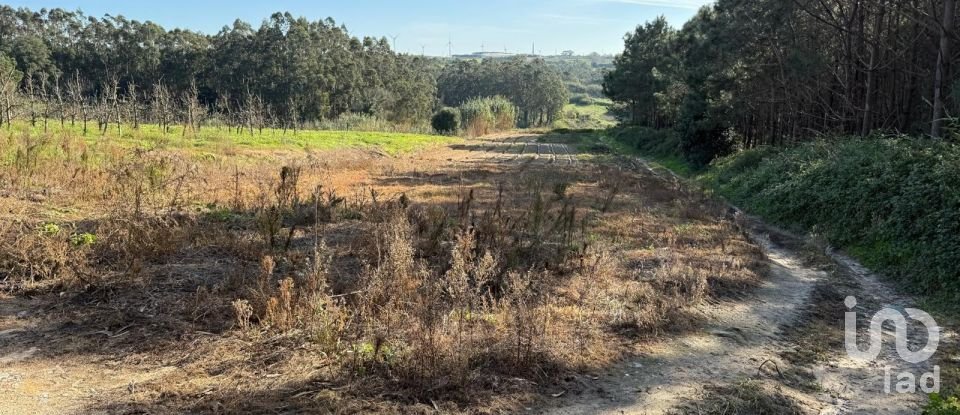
(486, 55)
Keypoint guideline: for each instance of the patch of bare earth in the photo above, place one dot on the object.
(495, 275)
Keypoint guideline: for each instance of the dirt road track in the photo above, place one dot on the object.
(520, 149)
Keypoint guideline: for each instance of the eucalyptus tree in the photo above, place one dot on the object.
(10, 78)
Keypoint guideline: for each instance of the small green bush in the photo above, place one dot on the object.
(50, 229)
(446, 121)
(83, 239)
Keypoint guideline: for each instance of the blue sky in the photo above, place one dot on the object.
(554, 25)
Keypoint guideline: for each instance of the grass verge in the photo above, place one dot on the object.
(215, 140)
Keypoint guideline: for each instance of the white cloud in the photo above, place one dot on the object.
(678, 4)
(584, 20)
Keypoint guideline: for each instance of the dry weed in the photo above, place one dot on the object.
(437, 287)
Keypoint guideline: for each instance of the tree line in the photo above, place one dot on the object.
(768, 72)
(296, 70)
(287, 72)
(582, 75)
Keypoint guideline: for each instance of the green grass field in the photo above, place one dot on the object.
(217, 140)
(593, 116)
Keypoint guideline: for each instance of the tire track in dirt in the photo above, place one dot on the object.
(571, 158)
(526, 150)
(505, 148)
(858, 386)
(523, 150)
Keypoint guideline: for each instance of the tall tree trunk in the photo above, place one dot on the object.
(943, 61)
(116, 108)
(874, 51)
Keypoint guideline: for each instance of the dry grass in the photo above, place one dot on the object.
(746, 398)
(351, 282)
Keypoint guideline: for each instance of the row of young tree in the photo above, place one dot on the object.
(68, 102)
(535, 89)
(768, 72)
(297, 69)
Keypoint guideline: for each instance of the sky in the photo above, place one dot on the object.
(421, 26)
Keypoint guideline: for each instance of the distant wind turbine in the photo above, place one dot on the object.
(394, 37)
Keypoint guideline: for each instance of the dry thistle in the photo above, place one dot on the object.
(266, 271)
(243, 311)
(280, 309)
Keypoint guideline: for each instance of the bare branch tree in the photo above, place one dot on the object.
(161, 106)
(133, 102)
(222, 107)
(31, 99)
(192, 109)
(75, 89)
(8, 95)
(44, 101)
(114, 95)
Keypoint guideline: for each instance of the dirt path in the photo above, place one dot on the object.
(858, 385)
(738, 339)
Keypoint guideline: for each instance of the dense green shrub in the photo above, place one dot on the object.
(942, 406)
(650, 142)
(480, 116)
(662, 146)
(892, 202)
(446, 121)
